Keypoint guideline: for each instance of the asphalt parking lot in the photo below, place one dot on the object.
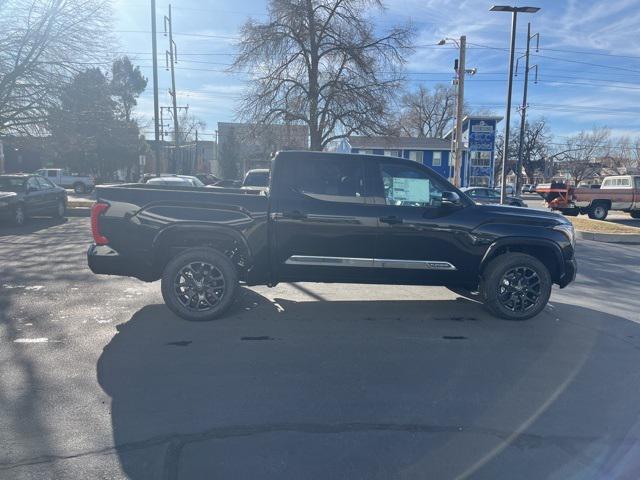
(100, 380)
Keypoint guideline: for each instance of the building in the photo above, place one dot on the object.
(478, 156)
(192, 157)
(244, 146)
(433, 152)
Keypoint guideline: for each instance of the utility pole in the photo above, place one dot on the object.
(171, 58)
(154, 50)
(197, 164)
(507, 117)
(459, 112)
(523, 108)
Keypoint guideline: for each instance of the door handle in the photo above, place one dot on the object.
(294, 215)
(391, 220)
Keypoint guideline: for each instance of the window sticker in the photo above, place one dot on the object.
(416, 190)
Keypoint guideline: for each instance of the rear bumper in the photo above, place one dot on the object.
(570, 271)
(104, 260)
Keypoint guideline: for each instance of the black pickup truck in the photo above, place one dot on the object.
(330, 218)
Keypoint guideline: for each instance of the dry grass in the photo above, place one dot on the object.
(588, 225)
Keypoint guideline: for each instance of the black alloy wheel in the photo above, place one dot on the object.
(199, 284)
(516, 286)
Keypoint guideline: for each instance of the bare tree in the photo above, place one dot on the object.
(626, 154)
(189, 124)
(321, 64)
(581, 155)
(427, 113)
(43, 43)
(535, 148)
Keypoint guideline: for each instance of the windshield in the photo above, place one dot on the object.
(256, 179)
(12, 184)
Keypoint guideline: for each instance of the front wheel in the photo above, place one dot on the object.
(61, 209)
(199, 284)
(79, 188)
(19, 215)
(516, 286)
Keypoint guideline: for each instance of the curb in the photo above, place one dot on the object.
(632, 238)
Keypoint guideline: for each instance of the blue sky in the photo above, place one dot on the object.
(589, 58)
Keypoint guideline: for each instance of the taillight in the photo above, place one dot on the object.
(97, 210)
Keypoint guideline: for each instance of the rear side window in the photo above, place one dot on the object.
(338, 180)
(52, 173)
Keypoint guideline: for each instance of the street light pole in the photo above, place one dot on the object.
(512, 47)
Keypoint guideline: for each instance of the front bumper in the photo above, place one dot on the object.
(570, 271)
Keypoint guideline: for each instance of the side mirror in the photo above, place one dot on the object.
(451, 199)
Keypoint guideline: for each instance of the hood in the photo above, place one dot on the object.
(523, 215)
(6, 195)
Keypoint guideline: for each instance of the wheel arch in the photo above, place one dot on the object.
(547, 251)
(176, 238)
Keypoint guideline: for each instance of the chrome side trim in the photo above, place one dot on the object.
(329, 261)
(412, 264)
(368, 262)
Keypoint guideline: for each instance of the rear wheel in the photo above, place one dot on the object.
(80, 188)
(570, 212)
(199, 284)
(598, 212)
(516, 286)
(635, 214)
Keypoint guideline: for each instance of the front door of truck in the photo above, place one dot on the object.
(324, 226)
(423, 239)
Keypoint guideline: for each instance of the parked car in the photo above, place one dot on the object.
(619, 192)
(80, 183)
(529, 188)
(176, 181)
(26, 195)
(489, 195)
(258, 177)
(207, 178)
(331, 218)
(228, 184)
(510, 189)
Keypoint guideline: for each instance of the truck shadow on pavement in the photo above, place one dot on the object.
(33, 225)
(374, 389)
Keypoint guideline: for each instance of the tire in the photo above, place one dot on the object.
(80, 188)
(570, 212)
(19, 215)
(521, 301)
(206, 273)
(635, 214)
(61, 209)
(598, 212)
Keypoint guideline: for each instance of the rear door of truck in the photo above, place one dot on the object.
(324, 223)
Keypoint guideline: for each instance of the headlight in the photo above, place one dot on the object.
(567, 229)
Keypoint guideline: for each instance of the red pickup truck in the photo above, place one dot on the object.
(620, 192)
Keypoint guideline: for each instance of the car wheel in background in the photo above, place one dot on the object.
(80, 188)
(60, 209)
(19, 215)
(516, 286)
(598, 212)
(199, 284)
